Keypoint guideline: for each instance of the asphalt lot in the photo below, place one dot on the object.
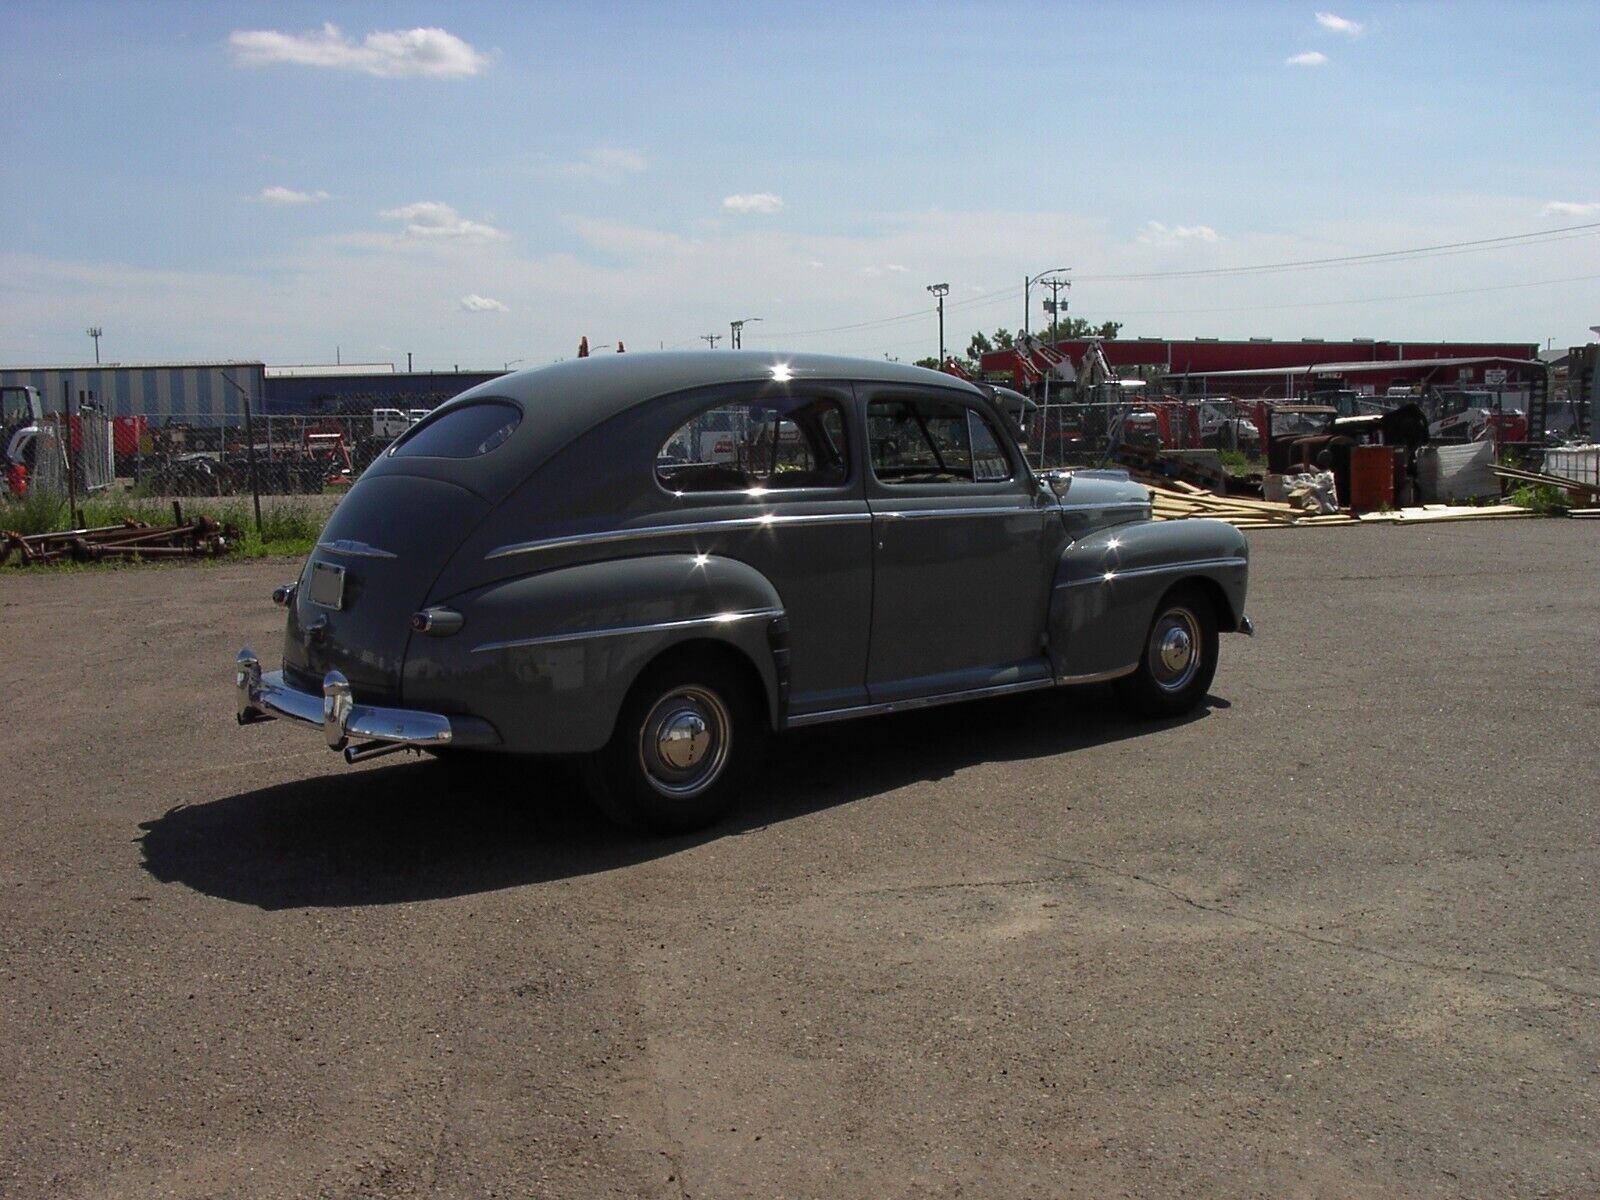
(1336, 936)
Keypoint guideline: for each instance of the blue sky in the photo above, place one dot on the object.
(480, 184)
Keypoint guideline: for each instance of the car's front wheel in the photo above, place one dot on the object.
(688, 737)
(1180, 656)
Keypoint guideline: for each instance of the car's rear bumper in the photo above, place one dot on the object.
(267, 696)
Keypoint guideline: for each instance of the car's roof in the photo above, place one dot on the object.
(618, 381)
(566, 401)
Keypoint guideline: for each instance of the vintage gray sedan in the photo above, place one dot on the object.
(657, 560)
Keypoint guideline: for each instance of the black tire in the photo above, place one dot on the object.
(690, 735)
(1179, 659)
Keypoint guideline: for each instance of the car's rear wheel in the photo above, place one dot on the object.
(1179, 659)
(688, 738)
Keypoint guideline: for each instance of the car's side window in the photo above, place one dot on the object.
(783, 442)
(989, 463)
(928, 440)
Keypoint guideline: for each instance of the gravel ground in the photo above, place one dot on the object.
(1334, 936)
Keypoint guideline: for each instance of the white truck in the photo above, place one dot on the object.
(390, 423)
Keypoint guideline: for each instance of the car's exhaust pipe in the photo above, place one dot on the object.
(355, 754)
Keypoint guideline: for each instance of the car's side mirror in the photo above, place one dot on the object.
(1056, 481)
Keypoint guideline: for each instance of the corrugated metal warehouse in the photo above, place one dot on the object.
(195, 393)
(199, 393)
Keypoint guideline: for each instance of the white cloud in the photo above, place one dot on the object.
(283, 195)
(764, 203)
(1337, 24)
(1311, 58)
(896, 268)
(475, 303)
(605, 163)
(615, 158)
(1155, 233)
(400, 54)
(1572, 208)
(431, 220)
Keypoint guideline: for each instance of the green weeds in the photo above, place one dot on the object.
(288, 526)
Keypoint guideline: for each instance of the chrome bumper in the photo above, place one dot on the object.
(1247, 627)
(267, 696)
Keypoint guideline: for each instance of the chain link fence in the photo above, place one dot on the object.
(1085, 432)
(292, 455)
(72, 454)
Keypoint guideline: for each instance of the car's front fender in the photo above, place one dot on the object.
(1107, 586)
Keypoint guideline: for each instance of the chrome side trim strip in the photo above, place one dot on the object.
(726, 525)
(354, 549)
(1109, 506)
(915, 702)
(917, 513)
(555, 639)
(1199, 564)
(1096, 676)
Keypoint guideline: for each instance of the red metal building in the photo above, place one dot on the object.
(1201, 357)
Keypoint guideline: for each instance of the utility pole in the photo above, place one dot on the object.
(94, 332)
(1054, 306)
(711, 339)
(1027, 284)
(940, 291)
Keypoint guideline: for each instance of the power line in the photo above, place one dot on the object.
(1317, 264)
(1157, 312)
(1565, 233)
(1499, 287)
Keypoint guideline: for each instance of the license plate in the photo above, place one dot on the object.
(327, 585)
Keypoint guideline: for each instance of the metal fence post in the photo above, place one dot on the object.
(250, 451)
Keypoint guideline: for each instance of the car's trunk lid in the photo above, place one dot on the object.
(371, 570)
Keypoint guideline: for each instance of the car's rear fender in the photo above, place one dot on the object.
(1107, 587)
(548, 658)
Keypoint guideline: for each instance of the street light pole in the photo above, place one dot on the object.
(940, 291)
(736, 330)
(1027, 286)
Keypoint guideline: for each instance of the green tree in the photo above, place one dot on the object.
(930, 362)
(1077, 327)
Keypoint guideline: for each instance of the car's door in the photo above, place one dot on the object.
(964, 544)
(770, 477)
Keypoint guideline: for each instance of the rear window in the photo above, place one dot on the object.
(464, 432)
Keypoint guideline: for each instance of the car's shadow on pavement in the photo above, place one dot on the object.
(425, 830)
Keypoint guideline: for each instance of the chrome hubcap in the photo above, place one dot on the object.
(1174, 653)
(683, 740)
(1175, 650)
(683, 744)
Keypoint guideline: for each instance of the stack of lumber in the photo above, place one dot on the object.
(1518, 475)
(1173, 500)
(1430, 513)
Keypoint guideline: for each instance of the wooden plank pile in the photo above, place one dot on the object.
(1576, 487)
(1175, 500)
(1428, 513)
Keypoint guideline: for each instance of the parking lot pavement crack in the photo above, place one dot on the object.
(1332, 943)
(676, 1151)
(917, 889)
